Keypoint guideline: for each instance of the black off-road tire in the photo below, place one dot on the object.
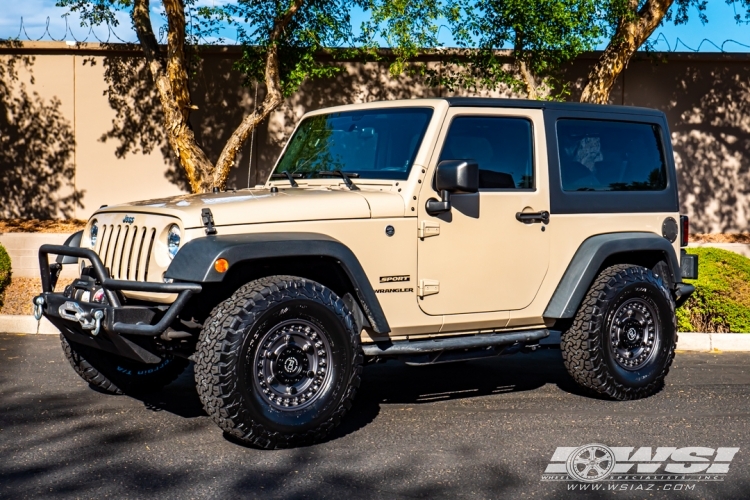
(232, 353)
(117, 375)
(587, 349)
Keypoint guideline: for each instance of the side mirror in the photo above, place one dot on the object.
(453, 176)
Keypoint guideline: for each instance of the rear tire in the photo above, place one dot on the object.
(278, 363)
(623, 337)
(117, 375)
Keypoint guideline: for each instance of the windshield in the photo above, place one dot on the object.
(371, 144)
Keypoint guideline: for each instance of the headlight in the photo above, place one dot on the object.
(173, 240)
(93, 232)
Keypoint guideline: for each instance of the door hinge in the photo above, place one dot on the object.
(427, 229)
(428, 287)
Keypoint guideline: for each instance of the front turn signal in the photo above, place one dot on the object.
(221, 265)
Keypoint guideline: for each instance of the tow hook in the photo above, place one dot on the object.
(38, 303)
(74, 312)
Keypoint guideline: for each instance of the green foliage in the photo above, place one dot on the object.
(409, 27)
(312, 45)
(544, 34)
(5, 272)
(317, 25)
(96, 12)
(721, 302)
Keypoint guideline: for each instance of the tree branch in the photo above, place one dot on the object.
(176, 60)
(142, 25)
(273, 99)
(630, 34)
(172, 84)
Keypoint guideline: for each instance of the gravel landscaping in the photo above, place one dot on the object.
(18, 295)
(41, 226)
(720, 238)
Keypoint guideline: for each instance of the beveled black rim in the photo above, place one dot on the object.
(291, 365)
(634, 333)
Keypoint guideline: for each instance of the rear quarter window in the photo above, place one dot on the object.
(601, 155)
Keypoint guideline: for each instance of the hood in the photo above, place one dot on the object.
(253, 206)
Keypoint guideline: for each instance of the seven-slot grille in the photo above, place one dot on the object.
(126, 250)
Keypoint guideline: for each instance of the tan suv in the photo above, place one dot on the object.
(428, 231)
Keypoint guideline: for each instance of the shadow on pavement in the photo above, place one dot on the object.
(179, 397)
(482, 429)
(395, 383)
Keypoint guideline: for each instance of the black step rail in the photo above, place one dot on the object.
(411, 347)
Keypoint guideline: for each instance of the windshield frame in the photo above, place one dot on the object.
(383, 106)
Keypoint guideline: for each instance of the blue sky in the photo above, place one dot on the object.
(720, 27)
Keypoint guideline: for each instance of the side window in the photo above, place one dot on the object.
(501, 146)
(598, 155)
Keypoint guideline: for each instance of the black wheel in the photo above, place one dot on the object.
(118, 375)
(622, 340)
(279, 362)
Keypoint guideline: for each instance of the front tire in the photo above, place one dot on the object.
(117, 375)
(278, 363)
(623, 337)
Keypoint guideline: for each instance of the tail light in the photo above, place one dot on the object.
(684, 230)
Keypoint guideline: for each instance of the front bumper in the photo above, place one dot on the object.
(102, 325)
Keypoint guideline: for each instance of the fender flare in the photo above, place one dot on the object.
(589, 258)
(74, 240)
(195, 261)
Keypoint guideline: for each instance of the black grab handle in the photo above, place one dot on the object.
(529, 217)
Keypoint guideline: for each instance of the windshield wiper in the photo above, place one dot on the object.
(287, 175)
(339, 173)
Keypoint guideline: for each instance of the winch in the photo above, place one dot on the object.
(86, 289)
(83, 290)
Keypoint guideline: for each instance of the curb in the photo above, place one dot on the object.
(713, 342)
(687, 341)
(26, 325)
(693, 342)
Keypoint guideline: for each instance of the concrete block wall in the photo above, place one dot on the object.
(23, 249)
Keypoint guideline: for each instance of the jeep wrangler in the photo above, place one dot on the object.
(427, 231)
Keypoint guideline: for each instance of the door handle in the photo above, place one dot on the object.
(530, 217)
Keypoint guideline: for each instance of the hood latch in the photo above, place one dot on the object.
(208, 221)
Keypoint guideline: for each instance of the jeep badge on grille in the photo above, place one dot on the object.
(128, 219)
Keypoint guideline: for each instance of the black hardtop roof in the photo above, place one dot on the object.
(565, 107)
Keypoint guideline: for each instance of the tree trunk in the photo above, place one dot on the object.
(528, 77)
(528, 80)
(630, 34)
(171, 81)
(273, 99)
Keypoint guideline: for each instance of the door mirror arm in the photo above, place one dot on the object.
(436, 207)
(452, 176)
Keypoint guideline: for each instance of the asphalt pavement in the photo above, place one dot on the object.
(482, 429)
